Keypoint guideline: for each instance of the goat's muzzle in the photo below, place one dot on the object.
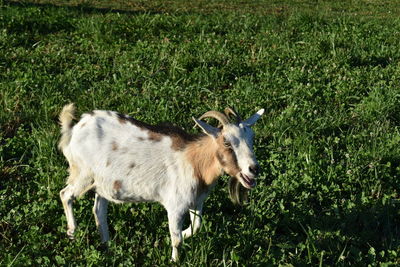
(248, 181)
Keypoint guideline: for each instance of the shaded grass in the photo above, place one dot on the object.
(361, 8)
(328, 143)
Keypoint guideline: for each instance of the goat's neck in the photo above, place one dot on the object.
(202, 156)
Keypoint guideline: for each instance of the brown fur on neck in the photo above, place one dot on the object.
(202, 157)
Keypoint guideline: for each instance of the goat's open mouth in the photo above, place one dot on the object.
(247, 181)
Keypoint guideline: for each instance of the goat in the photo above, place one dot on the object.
(126, 160)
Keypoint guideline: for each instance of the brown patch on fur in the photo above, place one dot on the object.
(117, 185)
(227, 158)
(108, 162)
(201, 156)
(140, 138)
(83, 124)
(121, 118)
(130, 168)
(114, 146)
(178, 143)
(179, 137)
(155, 137)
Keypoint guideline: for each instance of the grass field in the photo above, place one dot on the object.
(327, 73)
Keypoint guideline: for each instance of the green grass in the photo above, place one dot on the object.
(327, 73)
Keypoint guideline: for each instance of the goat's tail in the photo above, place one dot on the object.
(66, 118)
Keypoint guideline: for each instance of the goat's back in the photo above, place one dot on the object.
(127, 159)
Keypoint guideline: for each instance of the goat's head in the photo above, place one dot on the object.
(234, 148)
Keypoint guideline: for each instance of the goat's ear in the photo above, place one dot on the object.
(208, 129)
(250, 121)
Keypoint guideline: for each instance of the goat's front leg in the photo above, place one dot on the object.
(100, 215)
(175, 228)
(195, 221)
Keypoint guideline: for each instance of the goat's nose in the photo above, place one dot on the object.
(254, 169)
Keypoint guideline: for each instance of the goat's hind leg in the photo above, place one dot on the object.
(78, 184)
(67, 198)
(100, 215)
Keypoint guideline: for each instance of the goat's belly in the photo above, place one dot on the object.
(120, 196)
(127, 198)
(127, 190)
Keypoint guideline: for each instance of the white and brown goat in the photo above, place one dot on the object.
(126, 160)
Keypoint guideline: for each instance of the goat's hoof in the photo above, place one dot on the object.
(103, 247)
(70, 234)
(174, 260)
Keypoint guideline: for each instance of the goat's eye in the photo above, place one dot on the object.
(227, 143)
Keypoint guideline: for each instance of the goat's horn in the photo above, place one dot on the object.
(216, 115)
(229, 111)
